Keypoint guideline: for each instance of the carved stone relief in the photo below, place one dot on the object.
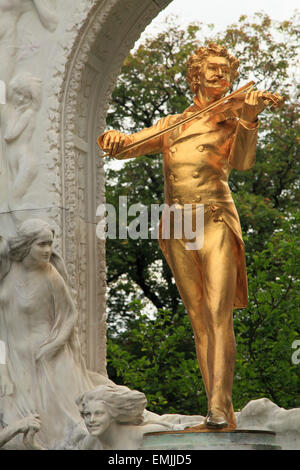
(18, 124)
(10, 14)
(78, 68)
(20, 162)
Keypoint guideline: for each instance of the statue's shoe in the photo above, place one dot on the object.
(216, 419)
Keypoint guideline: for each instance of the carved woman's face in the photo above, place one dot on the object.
(96, 417)
(41, 249)
(21, 97)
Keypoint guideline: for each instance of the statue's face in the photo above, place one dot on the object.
(215, 76)
(96, 418)
(41, 249)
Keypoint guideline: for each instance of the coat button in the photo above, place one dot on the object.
(171, 177)
(200, 148)
(198, 198)
(196, 174)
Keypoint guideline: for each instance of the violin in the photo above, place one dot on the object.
(232, 103)
(235, 102)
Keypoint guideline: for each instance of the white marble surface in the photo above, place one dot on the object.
(264, 414)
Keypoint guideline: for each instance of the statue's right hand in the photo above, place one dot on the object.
(6, 385)
(114, 142)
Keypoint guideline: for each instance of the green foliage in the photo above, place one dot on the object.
(157, 357)
(156, 354)
(152, 81)
(266, 329)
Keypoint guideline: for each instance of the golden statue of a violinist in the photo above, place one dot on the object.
(200, 147)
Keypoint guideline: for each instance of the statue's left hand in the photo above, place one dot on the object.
(254, 104)
(114, 142)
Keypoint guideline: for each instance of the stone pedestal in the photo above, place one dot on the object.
(240, 439)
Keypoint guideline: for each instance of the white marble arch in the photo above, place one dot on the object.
(105, 32)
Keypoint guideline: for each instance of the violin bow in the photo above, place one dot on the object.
(190, 118)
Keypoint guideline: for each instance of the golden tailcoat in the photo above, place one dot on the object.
(198, 158)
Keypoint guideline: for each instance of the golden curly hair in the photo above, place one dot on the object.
(196, 61)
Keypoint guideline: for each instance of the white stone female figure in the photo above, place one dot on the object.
(45, 371)
(10, 14)
(18, 124)
(115, 418)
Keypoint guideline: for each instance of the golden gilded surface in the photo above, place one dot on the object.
(198, 158)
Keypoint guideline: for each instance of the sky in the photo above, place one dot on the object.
(222, 13)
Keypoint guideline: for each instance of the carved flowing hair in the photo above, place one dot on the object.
(26, 83)
(196, 61)
(125, 406)
(17, 248)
